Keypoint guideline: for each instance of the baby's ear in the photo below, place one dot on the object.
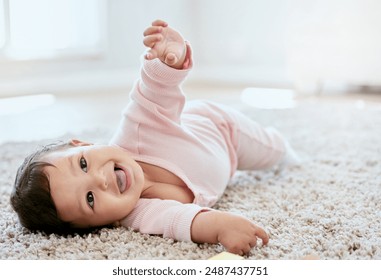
(78, 143)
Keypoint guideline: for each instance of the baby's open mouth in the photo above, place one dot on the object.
(121, 178)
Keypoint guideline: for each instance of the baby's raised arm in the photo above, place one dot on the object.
(166, 44)
(237, 234)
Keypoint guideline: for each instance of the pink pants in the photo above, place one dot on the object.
(252, 146)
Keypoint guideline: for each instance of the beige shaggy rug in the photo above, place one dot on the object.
(329, 206)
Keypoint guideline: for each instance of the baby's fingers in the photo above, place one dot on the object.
(152, 30)
(239, 249)
(151, 40)
(159, 22)
(259, 232)
(151, 54)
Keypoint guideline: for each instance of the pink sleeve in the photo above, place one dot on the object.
(156, 101)
(165, 217)
(159, 91)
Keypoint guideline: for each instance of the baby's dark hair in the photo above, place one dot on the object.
(31, 198)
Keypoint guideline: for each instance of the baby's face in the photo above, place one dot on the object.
(93, 185)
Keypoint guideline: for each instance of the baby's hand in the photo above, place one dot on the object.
(166, 44)
(238, 235)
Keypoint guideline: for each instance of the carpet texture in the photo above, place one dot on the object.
(329, 206)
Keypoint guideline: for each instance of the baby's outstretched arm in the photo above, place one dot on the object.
(237, 234)
(166, 44)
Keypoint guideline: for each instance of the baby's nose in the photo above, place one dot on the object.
(101, 180)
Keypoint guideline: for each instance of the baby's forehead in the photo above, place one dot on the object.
(62, 153)
(60, 162)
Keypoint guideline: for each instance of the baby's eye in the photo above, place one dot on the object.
(90, 199)
(83, 164)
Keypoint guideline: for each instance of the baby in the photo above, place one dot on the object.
(166, 166)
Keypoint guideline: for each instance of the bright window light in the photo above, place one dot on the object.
(268, 98)
(41, 28)
(21, 104)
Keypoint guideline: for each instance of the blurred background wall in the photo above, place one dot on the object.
(61, 46)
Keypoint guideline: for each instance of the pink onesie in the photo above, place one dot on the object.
(203, 143)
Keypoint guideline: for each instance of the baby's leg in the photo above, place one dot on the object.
(255, 147)
(261, 148)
